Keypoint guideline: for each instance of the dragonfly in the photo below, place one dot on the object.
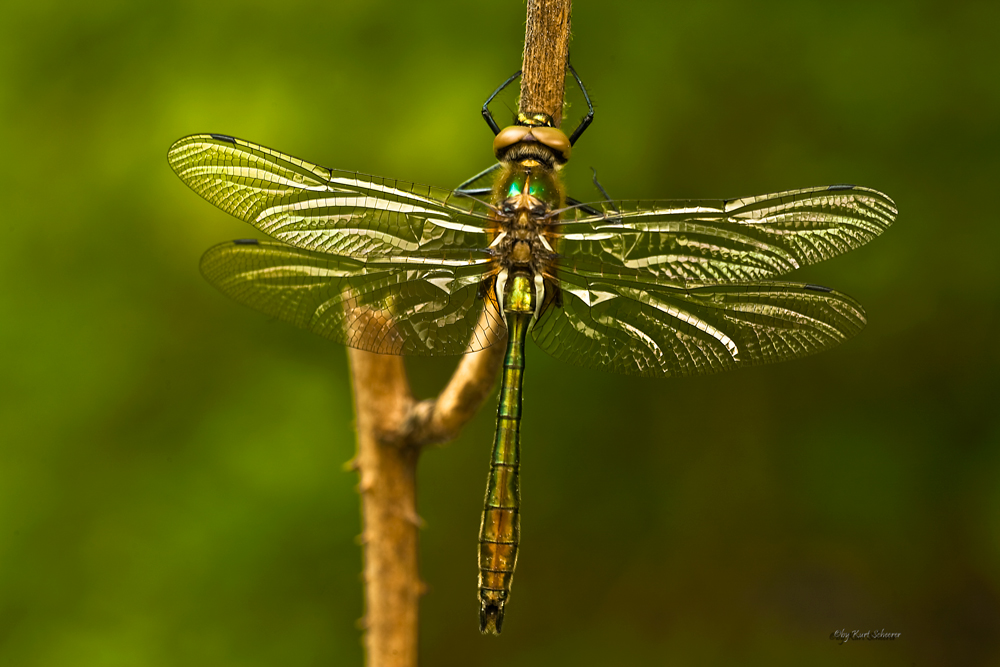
(648, 288)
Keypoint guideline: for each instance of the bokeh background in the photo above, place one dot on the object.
(171, 481)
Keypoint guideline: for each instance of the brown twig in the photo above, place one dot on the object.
(393, 427)
(546, 52)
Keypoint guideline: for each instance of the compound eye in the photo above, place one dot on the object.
(508, 137)
(555, 139)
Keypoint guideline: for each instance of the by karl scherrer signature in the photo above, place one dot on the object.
(844, 636)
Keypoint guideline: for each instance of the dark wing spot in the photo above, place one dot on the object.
(246, 242)
(223, 137)
(843, 186)
(817, 288)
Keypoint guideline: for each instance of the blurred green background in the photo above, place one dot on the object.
(171, 482)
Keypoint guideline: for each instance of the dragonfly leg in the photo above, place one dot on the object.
(590, 209)
(464, 188)
(597, 184)
(589, 118)
(576, 203)
(487, 115)
(577, 133)
(604, 192)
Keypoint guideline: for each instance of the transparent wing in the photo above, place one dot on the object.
(722, 241)
(337, 212)
(379, 306)
(660, 331)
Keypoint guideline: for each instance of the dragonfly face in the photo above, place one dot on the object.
(660, 288)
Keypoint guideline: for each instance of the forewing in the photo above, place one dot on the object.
(381, 307)
(337, 212)
(659, 331)
(721, 241)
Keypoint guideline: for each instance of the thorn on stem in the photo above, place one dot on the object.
(415, 519)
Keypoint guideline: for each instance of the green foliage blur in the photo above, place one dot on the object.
(171, 480)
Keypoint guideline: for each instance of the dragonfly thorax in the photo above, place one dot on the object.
(526, 197)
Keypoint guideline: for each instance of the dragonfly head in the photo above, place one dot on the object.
(542, 143)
